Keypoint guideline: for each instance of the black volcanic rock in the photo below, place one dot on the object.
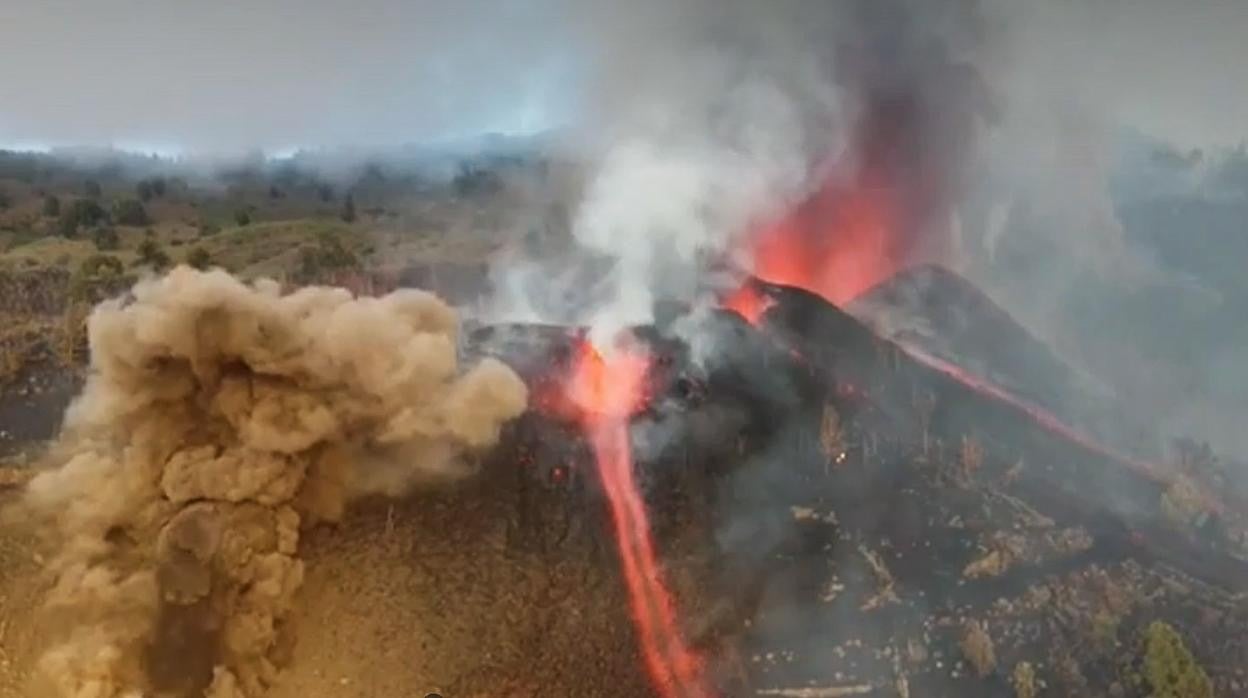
(932, 309)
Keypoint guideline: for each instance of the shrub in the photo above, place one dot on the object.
(348, 209)
(98, 277)
(148, 189)
(199, 258)
(1169, 667)
(207, 228)
(130, 212)
(327, 256)
(242, 217)
(101, 265)
(151, 255)
(82, 212)
(51, 206)
(105, 238)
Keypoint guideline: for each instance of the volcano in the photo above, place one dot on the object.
(847, 518)
(829, 514)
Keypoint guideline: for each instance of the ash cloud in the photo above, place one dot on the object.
(218, 421)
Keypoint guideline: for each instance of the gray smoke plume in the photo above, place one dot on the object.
(218, 420)
(744, 111)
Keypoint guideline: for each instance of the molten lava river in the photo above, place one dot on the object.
(609, 389)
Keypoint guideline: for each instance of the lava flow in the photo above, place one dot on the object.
(609, 390)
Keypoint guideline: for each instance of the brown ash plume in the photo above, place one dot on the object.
(218, 420)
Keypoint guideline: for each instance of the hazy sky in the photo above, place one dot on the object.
(275, 73)
(231, 74)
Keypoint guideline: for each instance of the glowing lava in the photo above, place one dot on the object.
(836, 244)
(609, 391)
(749, 302)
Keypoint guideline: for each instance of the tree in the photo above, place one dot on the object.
(151, 255)
(242, 217)
(328, 255)
(101, 265)
(105, 238)
(5, 202)
(91, 189)
(130, 212)
(144, 190)
(51, 206)
(199, 258)
(98, 277)
(325, 192)
(82, 212)
(348, 209)
(207, 228)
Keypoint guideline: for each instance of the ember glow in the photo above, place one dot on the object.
(608, 391)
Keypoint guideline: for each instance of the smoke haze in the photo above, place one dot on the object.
(276, 74)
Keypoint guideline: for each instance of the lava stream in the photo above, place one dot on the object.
(1051, 422)
(751, 304)
(608, 393)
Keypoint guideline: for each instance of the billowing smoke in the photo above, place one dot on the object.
(218, 420)
(747, 111)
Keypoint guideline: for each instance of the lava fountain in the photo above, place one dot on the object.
(838, 243)
(608, 390)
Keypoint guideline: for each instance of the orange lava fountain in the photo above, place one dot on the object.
(748, 302)
(609, 390)
(837, 244)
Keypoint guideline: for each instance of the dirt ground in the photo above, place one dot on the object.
(443, 592)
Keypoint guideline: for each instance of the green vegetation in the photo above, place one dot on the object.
(326, 257)
(51, 206)
(130, 212)
(98, 277)
(348, 209)
(1169, 667)
(149, 189)
(105, 238)
(151, 255)
(206, 228)
(242, 217)
(81, 213)
(1024, 680)
(199, 258)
